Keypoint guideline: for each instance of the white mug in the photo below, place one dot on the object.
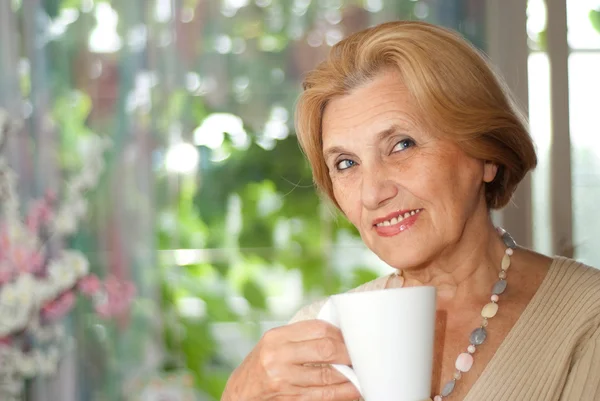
(389, 335)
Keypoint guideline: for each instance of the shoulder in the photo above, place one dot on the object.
(578, 280)
(312, 310)
(572, 294)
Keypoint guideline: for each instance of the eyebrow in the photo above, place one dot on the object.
(380, 137)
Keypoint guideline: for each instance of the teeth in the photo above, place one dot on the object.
(398, 219)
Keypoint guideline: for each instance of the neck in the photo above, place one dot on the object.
(465, 271)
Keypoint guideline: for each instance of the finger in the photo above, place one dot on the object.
(337, 392)
(319, 351)
(314, 376)
(310, 330)
(302, 331)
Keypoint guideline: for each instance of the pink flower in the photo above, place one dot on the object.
(36, 261)
(39, 214)
(104, 310)
(89, 285)
(51, 196)
(118, 298)
(4, 239)
(58, 308)
(7, 272)
(26, 260)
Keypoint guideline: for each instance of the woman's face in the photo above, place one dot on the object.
(410, 194)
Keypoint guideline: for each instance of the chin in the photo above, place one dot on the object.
(403, 263)
(408, 249)
(402, 257)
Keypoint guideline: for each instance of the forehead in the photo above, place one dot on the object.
(369, 108)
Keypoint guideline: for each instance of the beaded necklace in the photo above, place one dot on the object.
(464, 362)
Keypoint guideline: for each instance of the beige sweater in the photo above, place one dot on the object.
(553, 351)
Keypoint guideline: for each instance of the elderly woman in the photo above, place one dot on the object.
(416, 140)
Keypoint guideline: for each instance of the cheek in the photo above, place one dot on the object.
(444, 180)
(347, 195)
(465, 183)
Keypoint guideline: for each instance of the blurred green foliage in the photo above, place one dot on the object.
(249, 254)
(595, 19)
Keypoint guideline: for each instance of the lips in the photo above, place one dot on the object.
(396, 217)
(396, 223)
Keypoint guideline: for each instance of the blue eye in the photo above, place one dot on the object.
(404, 144)
(345, 164)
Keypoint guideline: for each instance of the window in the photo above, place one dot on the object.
(581, 124)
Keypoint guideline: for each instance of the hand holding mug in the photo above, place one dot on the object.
(294, 362)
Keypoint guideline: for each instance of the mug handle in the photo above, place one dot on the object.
(329, 315)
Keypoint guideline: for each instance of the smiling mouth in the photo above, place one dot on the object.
(397, 219)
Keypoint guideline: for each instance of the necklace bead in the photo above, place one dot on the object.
(509, 241)
(448, 388)
(490, 310)
(464, 362)
(499, 287)
(478, 336)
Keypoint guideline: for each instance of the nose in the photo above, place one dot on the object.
(378, 187)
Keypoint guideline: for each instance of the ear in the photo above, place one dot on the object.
(489, 171)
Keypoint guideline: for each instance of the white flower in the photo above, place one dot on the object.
(16, 304)
(11, 387)
(25, 284)
(78, 263)
(78, 207)
(48, 362)
(46, 290)
(61, 274)
(90, 173)
(75, 186)
(26, 363)
(8, 196)
(22, 365)
(7, 124)
(7, 360)
(65, 222)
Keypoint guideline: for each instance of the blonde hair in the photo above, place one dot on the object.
(449, 81)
